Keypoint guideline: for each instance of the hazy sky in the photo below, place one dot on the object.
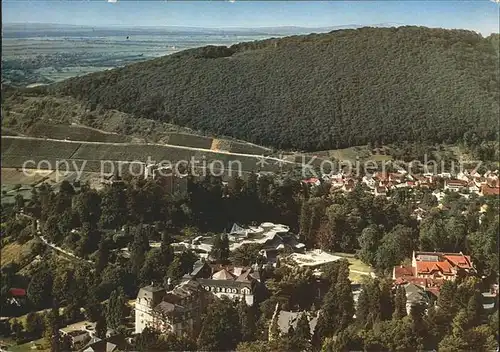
(478, 15)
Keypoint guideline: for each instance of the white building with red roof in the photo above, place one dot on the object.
(431, 269)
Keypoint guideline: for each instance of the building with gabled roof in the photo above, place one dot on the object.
(487, 190)
(287, 319)
(110, 344)
(233, 282)
(178, 310)
(431, 269)
(455, 185)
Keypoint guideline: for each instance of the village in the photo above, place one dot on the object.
(178, 308)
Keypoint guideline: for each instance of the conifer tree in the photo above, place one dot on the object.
(220, 250)
(460, 323)
(386, 300)
(102, 256)
(221, 330)
(399, 303)
(52, 326)
(338, 306)
(116, 309)
(345, 302)
(301, 339)
(247, 321)
(328, 317)
(101, 327)
(274, 330)
(374, 294)
(475, 309)
(447, 299)
(363, 307)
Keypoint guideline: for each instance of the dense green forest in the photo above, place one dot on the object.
(316, 92)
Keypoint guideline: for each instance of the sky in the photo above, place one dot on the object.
(478, 15)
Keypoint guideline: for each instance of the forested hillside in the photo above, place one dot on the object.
(315, 92)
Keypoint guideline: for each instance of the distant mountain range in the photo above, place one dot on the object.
(21, 30)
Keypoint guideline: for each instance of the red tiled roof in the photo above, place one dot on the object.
(433, 290)
(350, 181)
(18, 292)
(490, 191)
(462, 261)
(456, 183)
(311, 180)
(396, 176)
(403, 271)
(443, 267)
(382, 176)
(492, 182)
(400, 281)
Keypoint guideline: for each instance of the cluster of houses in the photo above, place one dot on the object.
(178, 310)
(382, 183)
(423, 278)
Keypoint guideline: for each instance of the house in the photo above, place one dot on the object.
(233, 282)
(473, 188)
(380, 191)
(114, 343)
(416, 296)
(492, 181)
(17, 296)
(455, 185)
(464, 176)
(349, 185)
(75, 336)
(396, 177)
(489, 191)
(424, 181)
(489, 302)
(419, 213)
(381, 176)
(287, 319)
(439, 195)
(369, 181)
(313, 181)
(431, 269)
(271, 249)
(177, 311)
(445, 175)
(79, 333)
(336, 181)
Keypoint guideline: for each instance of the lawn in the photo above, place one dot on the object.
(15, 252)
(356, 278)
(27, 346)
(12, 176)
(355, 264)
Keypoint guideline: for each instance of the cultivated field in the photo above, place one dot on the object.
(189, 140)
(74, 133)
(91, 156)
(239, 147)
